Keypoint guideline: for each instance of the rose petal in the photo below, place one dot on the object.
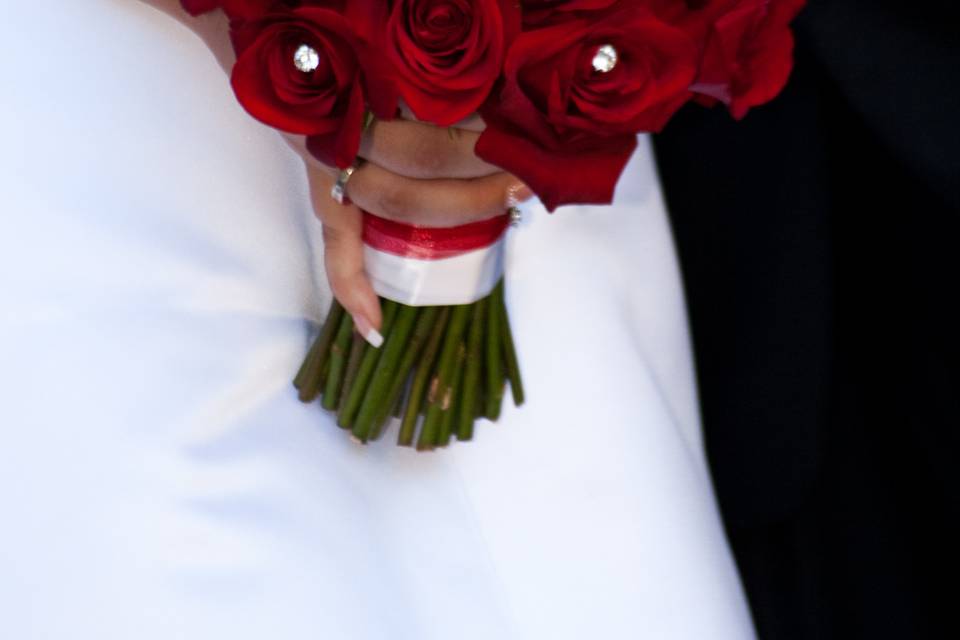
(585, 176)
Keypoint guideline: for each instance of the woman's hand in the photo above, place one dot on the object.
(421, 174)
(414, 173)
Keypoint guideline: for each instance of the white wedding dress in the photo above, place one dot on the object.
(161, 271)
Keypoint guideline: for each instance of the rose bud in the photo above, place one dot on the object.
(748, 51)
(575, 94)
(445, 55)
(299, 70)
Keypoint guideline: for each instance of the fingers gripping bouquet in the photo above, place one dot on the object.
(564, 87)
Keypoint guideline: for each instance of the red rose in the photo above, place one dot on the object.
(445, 55)
(748, 52)
(325, 101)
(246, 9)
(566, 128)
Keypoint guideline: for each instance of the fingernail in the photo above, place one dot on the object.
(518, 193)
(365, 329)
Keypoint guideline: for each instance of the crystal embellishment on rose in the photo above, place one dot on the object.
(306, 58)
(605, 59)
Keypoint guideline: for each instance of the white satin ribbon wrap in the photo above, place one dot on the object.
(459, 279)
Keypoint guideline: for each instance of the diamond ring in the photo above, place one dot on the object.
(339, 190)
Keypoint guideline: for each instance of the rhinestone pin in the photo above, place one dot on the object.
(605, 59)
(306, 58)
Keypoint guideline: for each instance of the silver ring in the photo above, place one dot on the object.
(339, 190)
(516, 216)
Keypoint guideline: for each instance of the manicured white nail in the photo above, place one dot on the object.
(365, 329)
(373, 337)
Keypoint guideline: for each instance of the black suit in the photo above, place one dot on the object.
(820, 242)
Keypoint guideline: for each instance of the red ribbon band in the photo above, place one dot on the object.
(431, 243)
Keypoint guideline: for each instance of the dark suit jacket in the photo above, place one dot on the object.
(819, 244)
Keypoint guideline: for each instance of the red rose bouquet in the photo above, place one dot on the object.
(564, 87)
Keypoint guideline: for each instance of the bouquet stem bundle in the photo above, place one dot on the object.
(440, 368)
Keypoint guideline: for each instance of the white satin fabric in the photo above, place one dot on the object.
(160, 270)
(459, 279)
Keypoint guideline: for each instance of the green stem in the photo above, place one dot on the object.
(353, 366)
(308, 362)
(338, 362)
(398, 405)
(395, 412)
(445, 369)
(494, 355)
(370, 356)
(454, 397)
(510, 355)
(307, 380)
(471, 377)
(377, 396)
(421, 335)
(325, 373)
(480, 410)
(418, 387)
